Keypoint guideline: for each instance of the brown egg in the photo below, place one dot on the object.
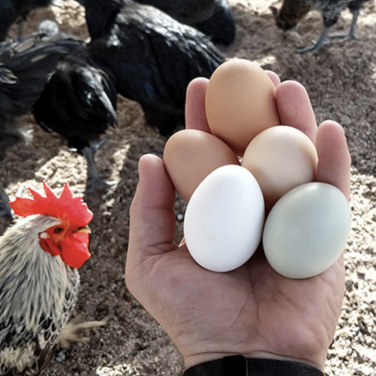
(280, 158)
(240, 103)
(190, 155)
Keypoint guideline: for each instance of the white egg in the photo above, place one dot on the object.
(307, 230)
(224, 219)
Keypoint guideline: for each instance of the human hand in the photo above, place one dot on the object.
(252, 311)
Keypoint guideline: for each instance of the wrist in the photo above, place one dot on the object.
(241, 366)
(195, 359)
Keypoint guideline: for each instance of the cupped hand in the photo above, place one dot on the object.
(252, 310)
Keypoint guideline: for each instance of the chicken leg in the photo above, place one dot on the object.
(318, 45)
(6, 140)
(5, 210)
(352, 31)
(95, 182)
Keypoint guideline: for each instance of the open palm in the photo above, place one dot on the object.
(252, 310)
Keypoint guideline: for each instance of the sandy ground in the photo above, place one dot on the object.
(341, 81)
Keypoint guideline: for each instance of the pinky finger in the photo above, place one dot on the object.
(334, 157)
(274, 77)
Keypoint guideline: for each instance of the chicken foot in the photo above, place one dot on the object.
(6, 141)
(73, 331)
(318, 45)
(20, 30)
(95, 182)
(352, 31)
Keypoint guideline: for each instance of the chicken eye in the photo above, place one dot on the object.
(57, 230)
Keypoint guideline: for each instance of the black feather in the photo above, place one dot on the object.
(78, 102)
(151, 56)
(213, 17)
(12, 11)
(24, 70)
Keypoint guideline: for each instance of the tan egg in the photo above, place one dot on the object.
(190, 155)
(240, 103)
(280, 158)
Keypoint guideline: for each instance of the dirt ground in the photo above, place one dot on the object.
(341, 81)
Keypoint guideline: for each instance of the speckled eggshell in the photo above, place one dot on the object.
(307, 230)
(190, 155)
(224, 219)
(240, 103)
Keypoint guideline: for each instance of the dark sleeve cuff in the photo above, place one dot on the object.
(238, 365)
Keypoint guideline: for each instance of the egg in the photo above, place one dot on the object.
(280, 158)
(240, 103)
(224, 219)
(307, 230)
(190, 155)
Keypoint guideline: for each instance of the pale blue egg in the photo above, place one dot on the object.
(307, 230)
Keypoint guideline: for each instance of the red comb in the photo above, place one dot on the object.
(66, 207)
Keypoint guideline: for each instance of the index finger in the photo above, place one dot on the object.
(195, 115)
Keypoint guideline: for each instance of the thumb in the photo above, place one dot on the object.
(152, 218)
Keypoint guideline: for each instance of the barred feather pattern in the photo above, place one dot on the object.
(38, 293)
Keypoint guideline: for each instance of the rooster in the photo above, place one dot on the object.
(151, 56)
(39, 280)
(293, 11)
(213, 17)
(24, 70)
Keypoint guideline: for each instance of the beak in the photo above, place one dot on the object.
(85, 229)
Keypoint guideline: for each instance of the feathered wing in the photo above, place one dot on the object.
(221, 25)
(153, 59)
(33, 349)
(24, 70)
(189, 12)
(212, 17)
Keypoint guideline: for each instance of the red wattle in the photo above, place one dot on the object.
(49, 247)
(74, 249)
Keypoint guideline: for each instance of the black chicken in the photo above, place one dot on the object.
(79, 103)
(151, 56)
(213, 17)
(12, 11)
(24, 70)
(293, 11)
(27, 9)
